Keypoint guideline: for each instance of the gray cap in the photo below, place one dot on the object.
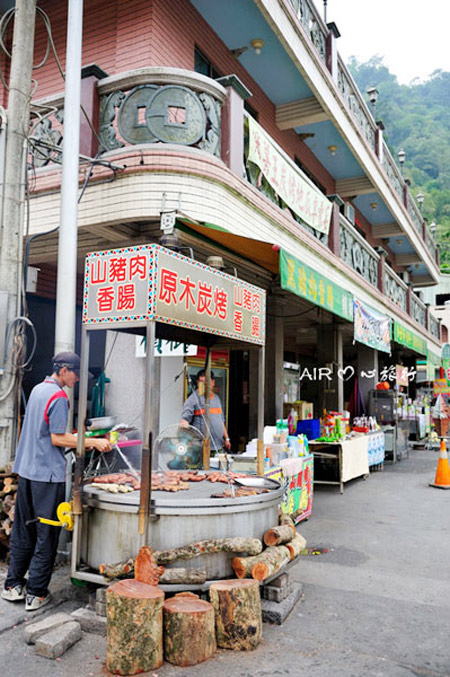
(69, 360)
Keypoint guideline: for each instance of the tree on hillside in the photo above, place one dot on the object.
(417, 120)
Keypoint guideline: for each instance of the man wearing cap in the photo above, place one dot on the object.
(194, 414)
(41, 465)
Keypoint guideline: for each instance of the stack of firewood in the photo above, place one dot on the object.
(8, 492)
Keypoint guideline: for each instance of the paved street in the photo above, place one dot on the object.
(377, 604)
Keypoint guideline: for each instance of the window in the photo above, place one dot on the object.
(204, 66)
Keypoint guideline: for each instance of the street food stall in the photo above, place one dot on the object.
(160, 293)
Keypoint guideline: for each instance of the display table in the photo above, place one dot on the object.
(351, 457)
(298, 489)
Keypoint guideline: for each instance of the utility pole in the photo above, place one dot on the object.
(68, 233)
(18, 114)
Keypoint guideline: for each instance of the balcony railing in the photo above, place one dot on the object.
(311, 21)
(395, 288)
(166, 105)
(357, 252)
(434, 326)
(418, 310)
(393, 172)
(356, 104)
(414, 212)
(430, 243)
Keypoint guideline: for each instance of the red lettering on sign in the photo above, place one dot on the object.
(105, 299)
(220, 303)
(256, 304)
(118, 269)
(238, 320)
(187, 293)
(255, 325)
(98, 272)
(126, 297)
(238, 296)
(138, 266)
(204, 298)
(168, 290)
(247, 299)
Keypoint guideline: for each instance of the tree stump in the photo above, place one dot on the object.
(134, 613)
(237, 609)
(189, 636)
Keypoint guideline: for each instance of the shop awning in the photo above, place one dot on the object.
(309, 284)
(257, 251)
(408, 338)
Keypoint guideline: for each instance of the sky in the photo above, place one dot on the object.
(412, 35)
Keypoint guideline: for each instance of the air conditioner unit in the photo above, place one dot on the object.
(349, 212)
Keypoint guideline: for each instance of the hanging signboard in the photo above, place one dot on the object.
(303, 281)
(149, 282)
(163, 348)
(401, 375)
(441, 387)
(408, 338)
(371, 328)
(300, 195)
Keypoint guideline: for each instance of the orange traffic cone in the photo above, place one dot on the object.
(442, 479)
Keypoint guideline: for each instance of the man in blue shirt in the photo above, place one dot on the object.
(41, 465)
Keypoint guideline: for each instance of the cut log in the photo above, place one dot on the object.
(237, 610)
(262, 566)
(145, 568)
(296, 546)
(182, 575)
(110, 571)
(6, 526)
(251, 545)
(134, 615)
(286, 519)
(9, 489)
(189, 636)
(279, 535)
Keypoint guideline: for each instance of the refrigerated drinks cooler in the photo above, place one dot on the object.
(383, 404)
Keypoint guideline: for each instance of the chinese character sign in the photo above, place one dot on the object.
(408, 338)
(152, 283)
(116, 285)
(300, 279)
(189, 294)
(296, 191)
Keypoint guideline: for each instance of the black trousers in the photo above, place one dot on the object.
(33, 546)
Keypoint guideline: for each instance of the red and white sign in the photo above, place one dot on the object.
(152, 283)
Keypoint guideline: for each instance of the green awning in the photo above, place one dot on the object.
(408, 338)
(307, 283)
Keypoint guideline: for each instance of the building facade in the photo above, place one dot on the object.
(239, 123)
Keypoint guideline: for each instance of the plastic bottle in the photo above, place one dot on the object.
(292, 422)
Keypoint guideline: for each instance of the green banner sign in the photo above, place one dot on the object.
(408, 338)
(303, 281)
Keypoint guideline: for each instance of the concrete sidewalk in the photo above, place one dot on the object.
(376, 604)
